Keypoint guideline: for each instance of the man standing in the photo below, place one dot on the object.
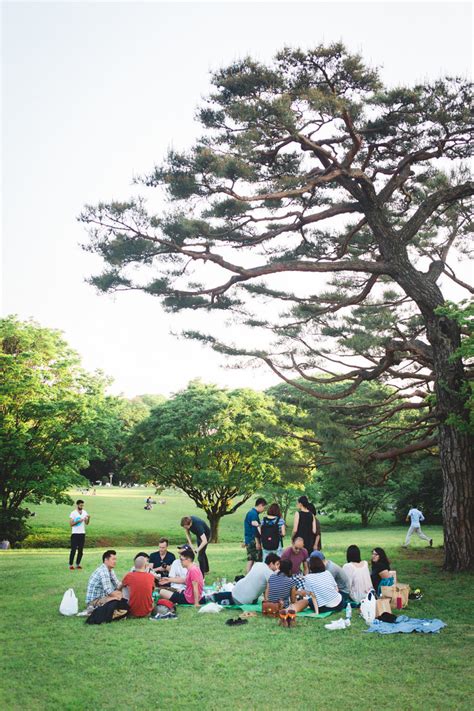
(415, 517)
(297, 554)
(194, 583)
(103, 584)
(140, 584)
(78, 520)
(252, 533)
(193, 524)
(162, 559)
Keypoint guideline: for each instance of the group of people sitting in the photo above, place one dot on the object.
(296, 579)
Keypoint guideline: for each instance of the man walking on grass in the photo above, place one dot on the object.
(78, 520)
(415, 517)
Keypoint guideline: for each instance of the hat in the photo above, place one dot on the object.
(184, 547)
(318, 554)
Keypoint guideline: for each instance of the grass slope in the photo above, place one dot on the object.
(51, 662)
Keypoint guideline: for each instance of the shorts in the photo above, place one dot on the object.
(253, 553)
(178, 598)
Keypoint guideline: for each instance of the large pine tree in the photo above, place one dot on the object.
(339, 203)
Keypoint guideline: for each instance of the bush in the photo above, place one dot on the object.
(12, 525)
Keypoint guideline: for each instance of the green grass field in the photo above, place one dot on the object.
(52, 662)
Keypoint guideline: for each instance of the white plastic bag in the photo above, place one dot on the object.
(69, 604)
(368, 608)
(211, 607)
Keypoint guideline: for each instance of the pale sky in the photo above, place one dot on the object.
(94, 93)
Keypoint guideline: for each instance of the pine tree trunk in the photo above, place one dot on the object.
(456, 448)
(214, 520)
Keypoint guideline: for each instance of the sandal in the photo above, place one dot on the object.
(234, 622)
(283, 615)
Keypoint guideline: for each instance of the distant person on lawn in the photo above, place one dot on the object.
(194, 583)
(252, 533)
(415, 517)
(78, 520)
(249, 588)
(193, 524)
(140, 586)
(297, 554)
(103, 584)
(162, 559)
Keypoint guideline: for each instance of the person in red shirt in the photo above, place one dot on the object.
(194, 582)
(140, 584)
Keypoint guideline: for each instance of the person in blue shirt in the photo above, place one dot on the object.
(252, 533)
(415, 517)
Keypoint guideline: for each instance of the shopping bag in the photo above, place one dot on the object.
(400, 595)
(368, 606)
(382, 605)
(69, 604)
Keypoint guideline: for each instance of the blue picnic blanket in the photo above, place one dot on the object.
(406, 624)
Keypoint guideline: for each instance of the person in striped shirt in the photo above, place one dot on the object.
(282, 585)
(320, 590)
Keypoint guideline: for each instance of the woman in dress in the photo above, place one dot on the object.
(357, 571)
(304, 524)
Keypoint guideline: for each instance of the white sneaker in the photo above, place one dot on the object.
(337, 625)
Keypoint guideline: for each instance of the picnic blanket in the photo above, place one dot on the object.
(258, 608)
(406, 624)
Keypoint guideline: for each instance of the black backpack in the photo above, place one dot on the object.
(270, 534)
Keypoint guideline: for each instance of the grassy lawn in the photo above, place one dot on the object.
(52, 662)
(118, 518)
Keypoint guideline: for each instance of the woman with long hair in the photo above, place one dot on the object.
(305, 524)
(357, 571)
(380, 567)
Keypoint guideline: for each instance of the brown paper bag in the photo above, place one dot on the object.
(400, 590)
(382, 605)
(387, 590)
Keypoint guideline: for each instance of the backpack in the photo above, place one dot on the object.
(270, 534)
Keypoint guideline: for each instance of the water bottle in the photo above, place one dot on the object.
(348, 611)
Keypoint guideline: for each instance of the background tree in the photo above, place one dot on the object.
(217, 446)
(310, 166)
(48, 412)
(116, 418)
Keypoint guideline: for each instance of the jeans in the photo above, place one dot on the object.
(77, 544)
(278, 551)
(203, 561)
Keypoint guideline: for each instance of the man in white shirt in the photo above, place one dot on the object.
(248, 589)
(415, 517)
(78, 520)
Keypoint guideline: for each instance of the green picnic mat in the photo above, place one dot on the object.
(258, 608)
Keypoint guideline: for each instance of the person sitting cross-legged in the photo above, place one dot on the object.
(194, 582)
(320, 590)
(297, 555)
(282, 585)
(103, 584)
(140, 584)
(248, 589)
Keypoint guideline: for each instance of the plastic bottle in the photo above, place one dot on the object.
(348, 611)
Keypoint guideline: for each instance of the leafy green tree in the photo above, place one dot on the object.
(217, 446)
(47, 415)
(309, 166)
(421, 485)
(116, 418)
